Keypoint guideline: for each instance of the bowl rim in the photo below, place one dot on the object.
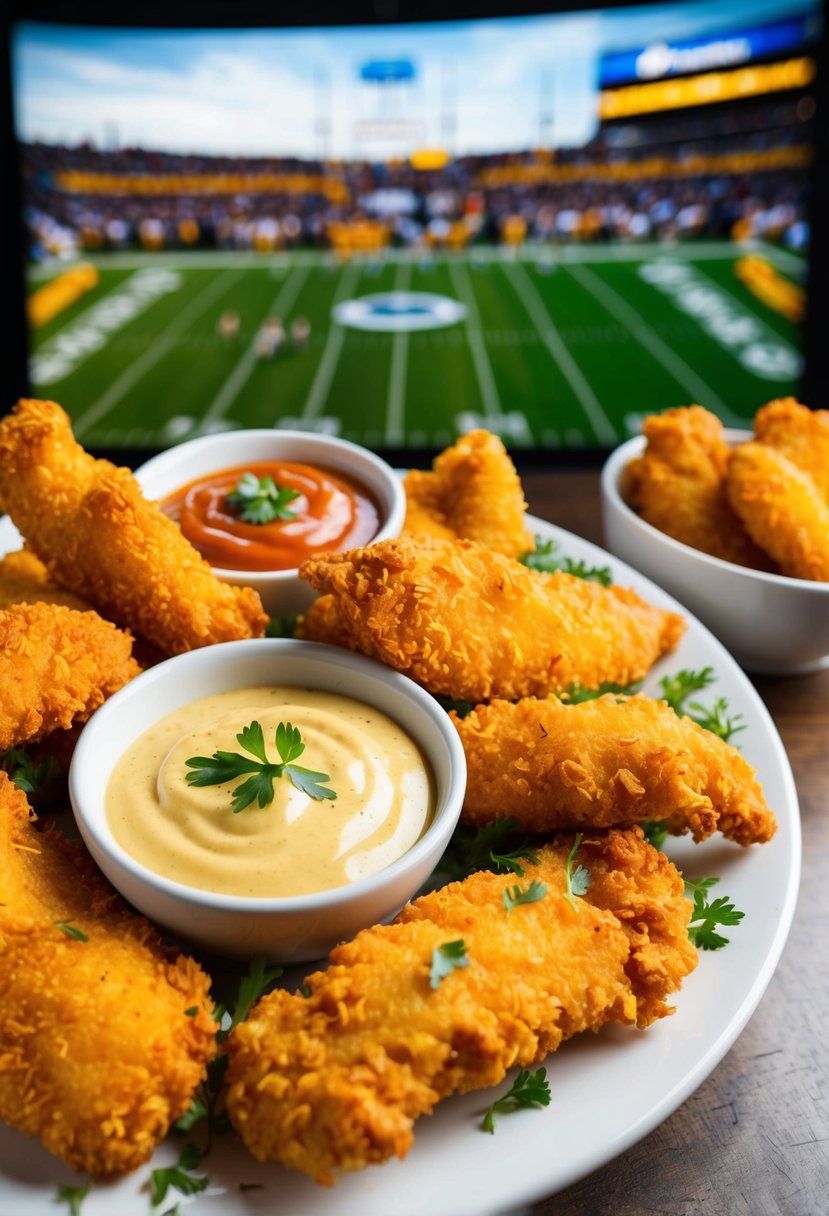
(443, 823)
(389, 527)
(611, 474)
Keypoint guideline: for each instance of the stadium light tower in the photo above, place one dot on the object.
(545, 108)
(322, 113)
(449, 106)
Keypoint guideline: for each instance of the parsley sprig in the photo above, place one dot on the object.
(445, 959)
(73, 1195)
(578, 880)
(543, 559)
(678, 688)
(517, 895)
(259, 500)
(706, 916)
(528, 1089)
(178, 1176)
(227, 766)
(29, 776)
(498, 846)
(70, 929)
(656, 832)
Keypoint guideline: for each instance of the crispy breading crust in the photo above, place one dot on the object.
(677, 485)
(97, 1054)
(610, 761)
(98, 536)
(474, 492)
(800, 434)
(57, 665)
(25, 580)
(334, 1082)
(469, 623)
(782, 508)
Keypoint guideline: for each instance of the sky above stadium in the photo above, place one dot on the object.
(476, 87)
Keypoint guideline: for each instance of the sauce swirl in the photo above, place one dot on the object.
(332, 512)
(295, 845)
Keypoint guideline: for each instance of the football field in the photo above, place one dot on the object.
(558, 348)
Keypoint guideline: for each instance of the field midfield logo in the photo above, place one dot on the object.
(399, 312)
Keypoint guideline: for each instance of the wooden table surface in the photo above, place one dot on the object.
(754, 1138)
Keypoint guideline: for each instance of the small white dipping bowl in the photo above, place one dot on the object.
(290, 929)
(773, 625)
(283, 592)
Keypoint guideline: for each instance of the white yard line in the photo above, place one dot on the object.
(396, 405)
(461, 282)
(161, 347)
(532, 300)
(749, 306)
(701, 393)
(318, 393)
(241, 373)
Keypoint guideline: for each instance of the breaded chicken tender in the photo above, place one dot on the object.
(800, 434)
(99, 537)
(335, 1082)
(25, 580)
(677, 485)
(469, 623)
(609, 761)
(474, 492)
(98, 1055)
(782, 508)
(57, 665)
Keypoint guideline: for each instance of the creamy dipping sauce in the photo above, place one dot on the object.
(296, 845)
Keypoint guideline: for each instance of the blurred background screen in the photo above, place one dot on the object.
(546, 225)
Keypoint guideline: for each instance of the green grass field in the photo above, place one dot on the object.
(558, 350)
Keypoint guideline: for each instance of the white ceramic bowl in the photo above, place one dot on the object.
(288, 929)
(772, 624)
(283, 592)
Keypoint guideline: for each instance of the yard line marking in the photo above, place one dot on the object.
(533, 302)
(395, 408)
(161, 347)
(750, 307)
(241, 373)
(701, 392)
(483, 368)
(321, 386)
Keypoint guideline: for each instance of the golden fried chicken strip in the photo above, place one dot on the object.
(677, 485)
(609, 761)
(800, 434)
(782, 508)
(473, 491)
(57, 665)
(469, 623)
(334, 1082)
(98, 536)
(25, 580)
(98, 1055)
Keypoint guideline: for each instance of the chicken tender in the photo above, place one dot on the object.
(25, 580)
(609, 761)
(800, 434)
(98, 1053)
(469, 623)
(782, 508)
(473, 492)
(99, 537)
(334, 1082)
(677, 485)
(57, 665)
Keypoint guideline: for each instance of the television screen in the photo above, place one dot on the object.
(546, 225)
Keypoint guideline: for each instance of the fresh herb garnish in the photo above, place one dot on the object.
(30, 777)
(498, 846)
(706, 915)
(578, 880)
(281, 627)
(543, 559)
(512, 861)
(574, 694)
(517, 895)
(259, 500)
(528, 1089)
(67, 927)
(227, 766)
(304, 990)
(656, 832)
(73, 1195)
(178, 1176)
(191, 1012)
(461, 708)
(445, 959)
(678, 688)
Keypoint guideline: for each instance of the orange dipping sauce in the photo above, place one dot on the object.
(332, 513)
